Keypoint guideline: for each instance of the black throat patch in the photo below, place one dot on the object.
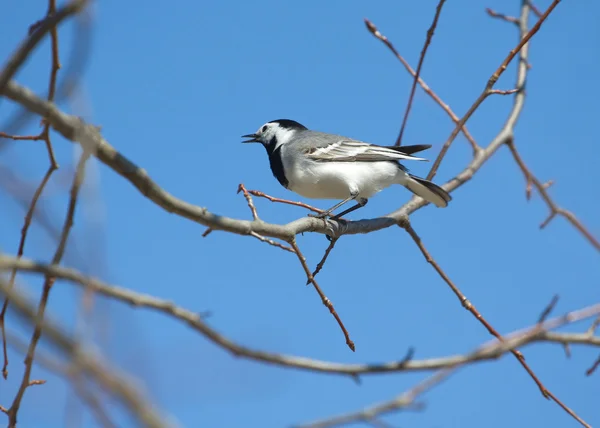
(276, 162)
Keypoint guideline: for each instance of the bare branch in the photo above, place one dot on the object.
(109, 378)
(195, 320)
(526, 36)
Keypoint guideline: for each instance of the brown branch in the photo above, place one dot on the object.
(285, 201)
(490, 84)
(471, 308)
(258, 236)
(534, 9)
(542, 189)
(322, 295)
(594, 366)
(241, 188)
(320, 265)
(48, 282)
(438, 11)
(20, 137)
(44, 135)
(501, 16)
(373, 30)
(20, 251)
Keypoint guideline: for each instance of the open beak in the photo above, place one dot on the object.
(251, 140)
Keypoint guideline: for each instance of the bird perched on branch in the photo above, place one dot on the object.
(318, 165)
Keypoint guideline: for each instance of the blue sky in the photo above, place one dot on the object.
(174, 88)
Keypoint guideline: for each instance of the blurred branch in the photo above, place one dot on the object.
(47, 25)
(118, 384)
(44, 135)
(48, 282)
(77, 382)
(438, 11)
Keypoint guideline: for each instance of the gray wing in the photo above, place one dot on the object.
(334, 148)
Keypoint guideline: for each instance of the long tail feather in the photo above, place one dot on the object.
(429, 191)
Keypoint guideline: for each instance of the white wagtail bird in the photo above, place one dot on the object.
(318, 165)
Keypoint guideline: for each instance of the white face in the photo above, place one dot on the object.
(273, 133)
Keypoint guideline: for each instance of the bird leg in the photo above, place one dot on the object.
(328, 212)
(361, 202)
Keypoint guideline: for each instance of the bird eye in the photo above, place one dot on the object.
(264, 128)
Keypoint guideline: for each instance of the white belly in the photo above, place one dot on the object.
(338, 180)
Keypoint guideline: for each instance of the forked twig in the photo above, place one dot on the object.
(242, 188)
(542, 189)
(438, 11)
(375, 32)
(322, 295)
(488, 88)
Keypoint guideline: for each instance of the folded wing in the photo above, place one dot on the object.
(346, 150)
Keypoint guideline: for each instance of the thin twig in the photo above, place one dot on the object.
(241, 188)
(285, 201)
(542, 189)
(272, 242)
(403, 401)
(534, 9)
(324, 259)
(548, 309)
(503, 91)
(49, 281)
(322, 295)
(20, 251)
(503, 17)
(593, 368)
(373, 30)
(438, 11)
(45, 135)
(21, 137)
